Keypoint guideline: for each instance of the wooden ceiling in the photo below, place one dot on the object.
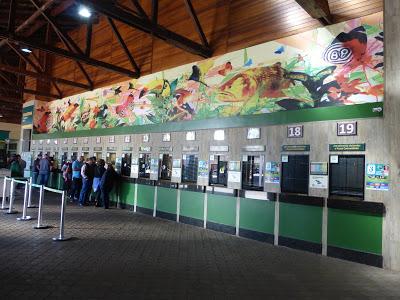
(83, 63)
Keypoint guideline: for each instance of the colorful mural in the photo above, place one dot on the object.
(332, 66)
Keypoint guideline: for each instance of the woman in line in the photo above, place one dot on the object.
(106, 184)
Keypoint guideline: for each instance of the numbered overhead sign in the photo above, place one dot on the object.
(295, 131)
(346, 128)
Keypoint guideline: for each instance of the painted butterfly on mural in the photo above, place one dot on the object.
(347, 47)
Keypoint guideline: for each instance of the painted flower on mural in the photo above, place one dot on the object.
(342, 65)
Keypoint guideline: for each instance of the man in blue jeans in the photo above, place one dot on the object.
(87, 173)
(76, 179)
(44, 169)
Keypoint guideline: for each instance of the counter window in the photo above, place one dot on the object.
(126, 164)
(75, 155)
(144, 165)
(252, 173)
(218, 171)
(85, 155)
(189, 168)
(166, 167)
(295, 174)
(111, 157)
(346, 178)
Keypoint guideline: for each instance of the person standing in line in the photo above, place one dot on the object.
(87, 173)
(35, 168)
(22, 163)
(15, 167)
(44, 169)
(98, 173)
(67, 176)
(76, 179)
(106, 184)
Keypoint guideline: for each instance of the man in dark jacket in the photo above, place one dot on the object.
(87, 173)
(106, 184)
(98, 173)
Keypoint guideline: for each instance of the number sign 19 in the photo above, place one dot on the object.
(295, 131)
(346, 128)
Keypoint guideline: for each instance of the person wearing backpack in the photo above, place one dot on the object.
(67, 176)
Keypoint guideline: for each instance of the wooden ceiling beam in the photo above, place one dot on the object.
(11, 99)
(109, 10)
(32, 92)
(68, 54)
(196, 22)
(42, 76)
(318, 9)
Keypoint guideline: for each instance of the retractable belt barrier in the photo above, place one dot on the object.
(24, 216)
(3, 202)
(39, 223)
(61, 236)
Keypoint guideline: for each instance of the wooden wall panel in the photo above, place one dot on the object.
(228, 24)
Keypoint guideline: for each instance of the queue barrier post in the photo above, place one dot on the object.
(61, 236)
(11, 211)
(24, 209)
(3, 202)
(41, 193)
(30, 205)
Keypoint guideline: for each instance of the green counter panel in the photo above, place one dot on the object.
(166, 200)
(355, 231)
(221, 209)
(192, 205)
(302, 222)
(127, 193)
(257, 215)
(145, 196)
(114, 194)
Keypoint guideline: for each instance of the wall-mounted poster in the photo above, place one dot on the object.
(319, 168)
(191, 136)
(98, 140)
(127, 139)
(202, 170)
(272, 172)
(74, 140)
(377, 177)
(253, 133)
(166, 137)
(111, 139)
(85, 140)
(318, 181)
(145, 138)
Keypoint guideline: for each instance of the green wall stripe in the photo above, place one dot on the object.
(282, 117)
(301, 222)
(257, 215)
(166, 200)
(127, 193)
(355, 230)
(221, 209)
(192, 205)
(145, 196)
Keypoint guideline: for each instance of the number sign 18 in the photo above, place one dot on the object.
(346, 128)
(295, 131)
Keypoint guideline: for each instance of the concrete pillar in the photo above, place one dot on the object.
(391, 133)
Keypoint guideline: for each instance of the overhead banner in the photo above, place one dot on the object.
(321, 72)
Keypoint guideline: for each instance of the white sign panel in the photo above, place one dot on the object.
(318, 181)
(234, 176)
(176, 172)
(295, 131)
(334, 159)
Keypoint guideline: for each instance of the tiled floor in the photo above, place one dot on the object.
(120, 255)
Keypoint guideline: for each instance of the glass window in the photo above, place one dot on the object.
(346, 177)
(218, 171)
(144, 165)
(252, 172)
(166, 167)
(295, 174)
(189, 168)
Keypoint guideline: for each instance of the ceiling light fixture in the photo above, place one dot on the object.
(84, 12)
(26, 50)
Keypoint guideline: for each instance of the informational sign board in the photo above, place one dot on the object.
(346, 147)
(202, 173)
(334, 159)
(295, 148)
(154, 168)
(377, 177)
(272, 172)
(319, 168)
(234, 175)
(319, 181)
(285, 158)
(176, 175)
(295, 131)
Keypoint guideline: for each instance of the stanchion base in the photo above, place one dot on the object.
(32, 206)
(42, 227)
(59, 239)
(4, 208)
(13, 212)
(27, 218)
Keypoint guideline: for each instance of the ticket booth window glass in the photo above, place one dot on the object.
(166, 167)
(126, 164)
(144, 165)
(189, 168)
(346, 178)
(218, 172)
(252, 173)
(295, 174)
(111, 158)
